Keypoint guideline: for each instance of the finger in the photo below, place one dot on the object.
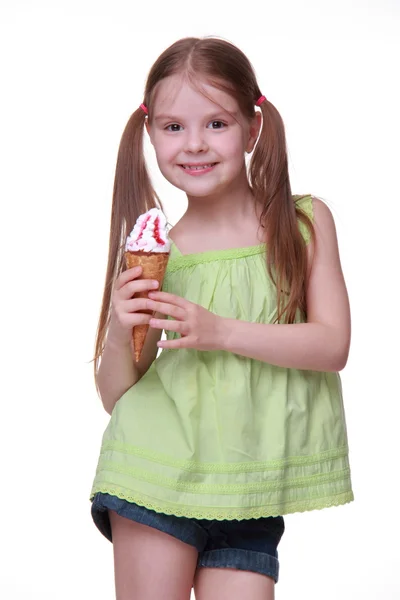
(133, 287)
(137, 305)
(173, 344)
(168, 309)
(170, 298)
(127, 312)
(127, 275)
(140, 319)
(169, 325)
(170, 344)
(130, 320)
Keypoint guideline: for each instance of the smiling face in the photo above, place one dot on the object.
(199, 146)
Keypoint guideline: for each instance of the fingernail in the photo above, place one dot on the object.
(155, 284)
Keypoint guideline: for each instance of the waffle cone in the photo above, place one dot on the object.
(154, 265)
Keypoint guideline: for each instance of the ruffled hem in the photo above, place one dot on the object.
(229, 514)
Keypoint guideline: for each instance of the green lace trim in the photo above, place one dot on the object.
(223, 468)
(179, 261)
(189, 260)
(215, 488)
(218, 513)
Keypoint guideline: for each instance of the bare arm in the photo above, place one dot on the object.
(311, 346)
(321, 344)
(118, 370)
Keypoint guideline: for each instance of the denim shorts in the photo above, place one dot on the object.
(248, 545)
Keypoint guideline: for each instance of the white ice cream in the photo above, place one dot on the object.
(149, 233)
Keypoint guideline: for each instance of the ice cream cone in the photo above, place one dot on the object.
(154, 265)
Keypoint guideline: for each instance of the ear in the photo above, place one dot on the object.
(149, 130)
(254, 130)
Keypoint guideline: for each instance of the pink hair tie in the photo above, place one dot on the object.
(144, 108)
(260, 100)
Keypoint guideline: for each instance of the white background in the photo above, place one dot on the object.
(71, 74)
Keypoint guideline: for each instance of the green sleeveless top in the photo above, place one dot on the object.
(215, 435)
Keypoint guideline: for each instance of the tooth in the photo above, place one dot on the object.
(197, 168)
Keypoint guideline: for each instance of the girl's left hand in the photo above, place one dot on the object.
(199, 328)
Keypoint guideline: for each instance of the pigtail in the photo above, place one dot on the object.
(286, 251)
(133, 195)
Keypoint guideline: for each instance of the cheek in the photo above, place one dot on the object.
(166, 160)
(165, 148)
(168, 156)
(231, 147)
(162, 152)
(234, 153)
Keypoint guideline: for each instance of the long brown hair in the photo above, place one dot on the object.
(224, 66)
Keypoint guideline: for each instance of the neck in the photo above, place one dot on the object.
(237, 202)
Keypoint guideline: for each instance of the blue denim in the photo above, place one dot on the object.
(248, 545)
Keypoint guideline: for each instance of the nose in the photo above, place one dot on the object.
(196, 141)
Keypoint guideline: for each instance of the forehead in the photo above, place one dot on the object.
(175, 95)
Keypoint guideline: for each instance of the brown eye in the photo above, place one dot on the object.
(217, 125)
(174, 126)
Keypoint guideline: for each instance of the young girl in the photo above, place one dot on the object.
(240, 419)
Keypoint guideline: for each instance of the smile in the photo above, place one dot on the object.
(198, 169)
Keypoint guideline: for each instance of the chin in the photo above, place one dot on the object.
(201, 192)
(195, 188)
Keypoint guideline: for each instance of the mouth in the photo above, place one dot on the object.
(198, 167)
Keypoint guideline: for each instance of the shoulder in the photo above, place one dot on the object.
(322, 240)
(324, 227)
(313, 207)
(321, 211)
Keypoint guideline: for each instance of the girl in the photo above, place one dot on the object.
(240, 419)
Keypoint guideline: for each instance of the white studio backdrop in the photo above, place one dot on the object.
(72, 73)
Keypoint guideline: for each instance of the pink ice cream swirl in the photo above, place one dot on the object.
(150, 233)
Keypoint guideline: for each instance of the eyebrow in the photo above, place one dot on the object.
(207, 117)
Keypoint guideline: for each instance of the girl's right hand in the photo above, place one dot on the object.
(125, 307)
